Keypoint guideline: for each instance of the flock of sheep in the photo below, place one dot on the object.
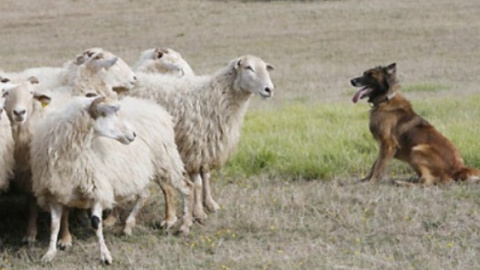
(95, 133)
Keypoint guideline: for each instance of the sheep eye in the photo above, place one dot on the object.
(159, 55)
(250, 68)
(4, 80)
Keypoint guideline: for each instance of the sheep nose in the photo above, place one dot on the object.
(134, 78)
(19, 112)
(269, 90)
(134, 135)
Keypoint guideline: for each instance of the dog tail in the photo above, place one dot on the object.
(468, 174)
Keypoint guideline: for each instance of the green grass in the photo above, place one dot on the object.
(328, 141)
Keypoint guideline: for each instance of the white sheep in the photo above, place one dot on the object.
(165, 61)
(7, 145)
(95, 71)
(76, 163)
(54, 78)
(23, 111)
(208, 113)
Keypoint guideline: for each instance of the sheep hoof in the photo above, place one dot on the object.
(107, 261)
(167, 224)
(28, 240)
(48, 257)
(199, 215)
(183, 231)
(63, 244)
(212, 206)
(127, 231)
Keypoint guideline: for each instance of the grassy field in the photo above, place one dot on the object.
(289, 198)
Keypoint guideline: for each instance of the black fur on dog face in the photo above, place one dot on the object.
(375, 82)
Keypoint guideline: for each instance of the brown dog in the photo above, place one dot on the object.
(404, 135)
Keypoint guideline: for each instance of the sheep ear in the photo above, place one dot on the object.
(270, 67)
(105, 63)
(159, 52)
(107, 109)
(121, 91)
(33, 80)
(93, 108)
(43, 99)
(238, 64)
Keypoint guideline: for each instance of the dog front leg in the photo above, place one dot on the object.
(369, 175)
(387, 152)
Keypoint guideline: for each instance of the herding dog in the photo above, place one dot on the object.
(403, 134)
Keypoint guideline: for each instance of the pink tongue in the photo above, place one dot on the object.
(359, 94)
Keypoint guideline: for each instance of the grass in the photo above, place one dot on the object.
(271, 217)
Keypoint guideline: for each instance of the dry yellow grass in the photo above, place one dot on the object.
(316, 46)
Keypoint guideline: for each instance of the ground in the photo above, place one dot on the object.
(268, 222)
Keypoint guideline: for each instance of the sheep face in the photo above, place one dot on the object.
(19, 100)
(253, 76)
(108, 124)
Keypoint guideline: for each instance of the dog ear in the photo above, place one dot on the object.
(392, 68)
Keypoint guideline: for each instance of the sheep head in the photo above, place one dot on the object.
(107, 123)
(165, 61)
(106, 67)
(252, 75)
(20, 99)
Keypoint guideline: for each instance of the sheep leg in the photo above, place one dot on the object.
(31, 233)
(96, 221)
(65, 236)
(56, 214)
(211, 205)
(187, 195)
(198, 212)
(130, 223)
(170, 208)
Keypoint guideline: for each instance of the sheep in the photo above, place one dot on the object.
(165, 61)
(208, 113)
(23, 111)
(54, 78)
(75, 162)
(7, 145)
(96, 71)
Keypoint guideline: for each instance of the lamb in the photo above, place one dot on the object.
(76, 163)
(7, 145)
(208, 113)
(165, 61)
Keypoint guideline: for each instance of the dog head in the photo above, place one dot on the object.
(375, 83)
